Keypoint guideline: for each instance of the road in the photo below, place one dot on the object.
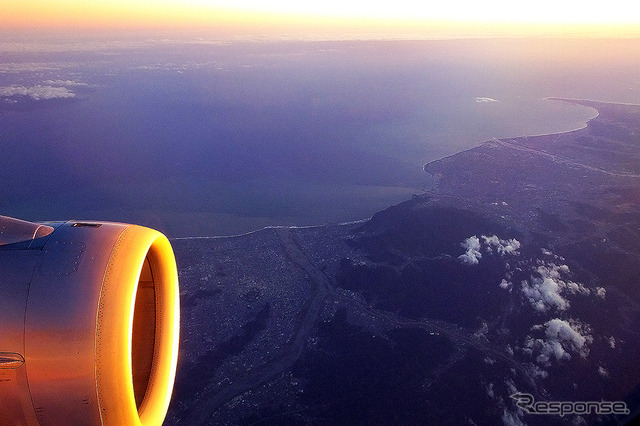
(514, 145)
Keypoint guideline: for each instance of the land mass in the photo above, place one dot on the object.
(518, 272)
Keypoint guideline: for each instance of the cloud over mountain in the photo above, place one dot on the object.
(472, 256)
(474, 247)
(547, 288)
(503, 247)
(561, 339)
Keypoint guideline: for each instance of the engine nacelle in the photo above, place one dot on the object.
(89, 323)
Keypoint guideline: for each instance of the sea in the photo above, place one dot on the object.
(205, 136)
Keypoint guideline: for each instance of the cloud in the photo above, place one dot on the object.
(74, 46)
(486, 100)
(482, 332)
(490, 245)
(65, 83)
(472, 256)
(490, 393)
(549, 285)
(15, 68)
(603, 372)
(506, 285)
(537, 372)
(37, 92)
(509, 349)
(561, 340)
(503, 247)
(545, 291)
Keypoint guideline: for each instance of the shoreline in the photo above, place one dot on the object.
(424, 168)
(215, 237)
(579, 100)
(515, 138)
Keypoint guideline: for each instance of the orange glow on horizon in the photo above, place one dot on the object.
(491, 16)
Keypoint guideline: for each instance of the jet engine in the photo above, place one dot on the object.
(89, 323)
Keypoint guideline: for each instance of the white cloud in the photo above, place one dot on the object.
(482, 332)
(65, 83)
(537, 372)
(472, 256)
(545, 291)
(473, 248)
(490, 391)
(503, 247)
(506, 285)
(482, 100)
(15, 68)
(603, 372)
(37, 92)
(561, 340)
(509, 350)
(73, 46)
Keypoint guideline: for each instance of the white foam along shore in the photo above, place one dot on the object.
(218, 237)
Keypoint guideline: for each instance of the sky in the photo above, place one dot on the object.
(573, 17)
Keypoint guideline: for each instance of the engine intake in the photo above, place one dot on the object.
(89, 313)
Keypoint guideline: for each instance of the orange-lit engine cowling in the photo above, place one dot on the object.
(89, 324)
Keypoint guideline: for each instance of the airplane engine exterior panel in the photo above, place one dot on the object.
(89, 320)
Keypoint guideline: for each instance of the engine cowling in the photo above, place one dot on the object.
(89, 323)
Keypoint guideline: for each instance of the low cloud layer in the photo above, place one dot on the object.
(16, 68)
(37, 93)
(65, 83)
(485, 100)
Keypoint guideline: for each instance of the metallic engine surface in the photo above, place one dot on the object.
(53, 314)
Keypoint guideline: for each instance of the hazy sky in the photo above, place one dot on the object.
(611, 17)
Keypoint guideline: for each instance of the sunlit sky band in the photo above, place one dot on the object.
(610, 17)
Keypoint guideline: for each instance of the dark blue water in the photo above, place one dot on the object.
(210, 139)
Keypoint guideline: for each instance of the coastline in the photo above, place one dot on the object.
(538, 182)
(516, 138)
(434, 189)
(581, 101)
(218, 237)
(563, 198)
